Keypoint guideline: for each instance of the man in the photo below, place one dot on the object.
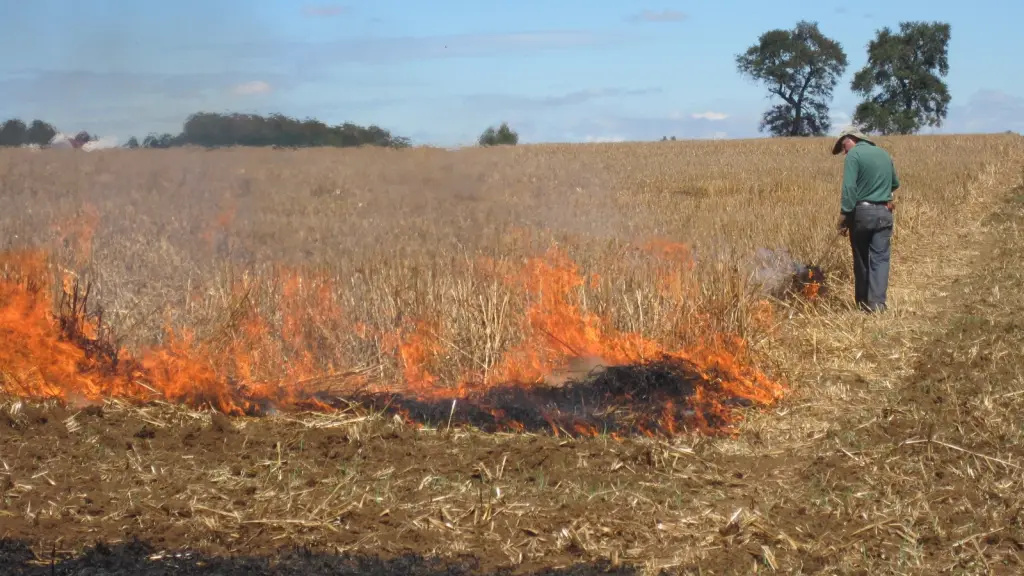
(869, 180)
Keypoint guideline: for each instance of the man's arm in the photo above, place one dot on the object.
(895, 178)
(849, 196)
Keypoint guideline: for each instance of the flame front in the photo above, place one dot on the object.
(810, 285)
(251, 366)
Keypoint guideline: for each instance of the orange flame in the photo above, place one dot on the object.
(250, 363)
(556, 330)
(811, 288)
(235, 374)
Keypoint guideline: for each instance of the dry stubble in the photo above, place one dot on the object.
(399, 233)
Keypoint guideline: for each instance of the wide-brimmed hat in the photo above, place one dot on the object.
(851, 131)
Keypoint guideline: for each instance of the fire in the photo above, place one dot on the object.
(556, 330)
(641, 387)
(64, 355)
(811, 283)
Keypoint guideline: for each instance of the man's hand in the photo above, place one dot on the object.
(841, 226)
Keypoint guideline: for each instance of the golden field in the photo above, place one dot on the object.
(894, 449)
(406, 235)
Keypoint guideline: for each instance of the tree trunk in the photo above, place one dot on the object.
(798, 108)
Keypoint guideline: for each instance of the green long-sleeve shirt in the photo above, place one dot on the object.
(869, 175)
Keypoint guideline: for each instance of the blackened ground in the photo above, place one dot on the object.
(649, 399)
(139, 558)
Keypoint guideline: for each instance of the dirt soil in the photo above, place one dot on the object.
(124, 474)
(929, 480)
(140, 558)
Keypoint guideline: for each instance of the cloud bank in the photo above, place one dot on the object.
(649, 128)
(713, 116)
(387, 50)
(987, 111)
(520, 102)
(658, 16)
(323, 10)
(252, 87)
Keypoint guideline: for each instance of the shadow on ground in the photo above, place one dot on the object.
(17, 559)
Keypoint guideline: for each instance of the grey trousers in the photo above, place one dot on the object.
(870, 229)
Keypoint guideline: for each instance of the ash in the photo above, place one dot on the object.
(653, 398)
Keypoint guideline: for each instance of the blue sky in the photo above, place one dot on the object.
(440, 72)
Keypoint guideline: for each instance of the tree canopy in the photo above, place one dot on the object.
(501, 136)
(214, 130)
(902, 82)
(14, 132)
(801, 67)
(211, 130)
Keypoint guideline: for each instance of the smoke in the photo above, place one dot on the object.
(575, 199)
(62, 141)
(103, 143)
(774, 269)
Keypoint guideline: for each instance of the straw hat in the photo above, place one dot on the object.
(851, 131)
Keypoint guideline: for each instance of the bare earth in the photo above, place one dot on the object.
(896, 451)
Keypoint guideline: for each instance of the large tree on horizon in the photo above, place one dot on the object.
(13, 132)
(40, 132)
(901, 84)
(502, 136)
(801, 67)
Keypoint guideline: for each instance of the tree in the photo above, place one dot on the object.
(212, 130)
(902, 82)
(40, 133)
(503, 135)
(801, 67)
(83, 138)
(13, 133)
(164, 140)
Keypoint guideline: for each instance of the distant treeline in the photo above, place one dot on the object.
(15, 132)
(217, 130)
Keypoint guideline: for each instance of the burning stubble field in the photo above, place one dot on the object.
(557, 359)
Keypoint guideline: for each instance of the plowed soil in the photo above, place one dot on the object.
(174, 479)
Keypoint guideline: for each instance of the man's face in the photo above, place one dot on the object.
(848, 145)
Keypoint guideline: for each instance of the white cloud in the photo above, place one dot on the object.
(102, 143)
(986, 111)
(658, 16)
(642, 128)
(324, 10)
(520, 102)
(381, 50)
(713, 116)
(840, 121)
(253, 87)
(597, 139)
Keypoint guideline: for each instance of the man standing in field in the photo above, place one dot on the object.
(869, 180)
